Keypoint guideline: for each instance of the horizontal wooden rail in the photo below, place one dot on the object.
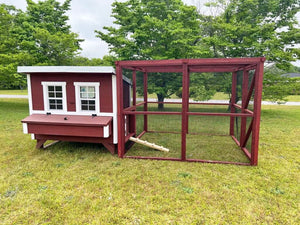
(220, 114)
(150, 113)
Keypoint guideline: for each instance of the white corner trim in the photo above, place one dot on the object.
(29, 94)
(25, 128)
(106, 131)
(45, 84)
(32, 136)
(115, 108)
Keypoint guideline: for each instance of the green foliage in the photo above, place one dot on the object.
(277, 86)
(46, 34)
(107, 60)
(10, 54)
(38, 36)
(155, 30)
(252, 28)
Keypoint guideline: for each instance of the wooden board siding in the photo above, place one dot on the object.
(80, 126)
(105, 88)
(126, 94)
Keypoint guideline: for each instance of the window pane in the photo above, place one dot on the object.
(92, 102)
(84, 107)
(91, 95)
(52, 106)
(58, 94)
(59, 101)
(50, 88)
(91, 107)
(84, 102)
(59, 107)
(58, 88)
(91, 89)
(51, 94)
(52, 101)
(82, 89)
(83, 95)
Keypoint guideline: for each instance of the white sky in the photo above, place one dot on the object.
(89, 15)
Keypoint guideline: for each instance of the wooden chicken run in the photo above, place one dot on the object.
(99, 104)
(251, 90)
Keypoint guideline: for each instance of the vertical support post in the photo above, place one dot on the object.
(121, 128)
(184, 113)
(244, 99)
(134, 100)
(256, 111)
(232, 101)
(145, 100)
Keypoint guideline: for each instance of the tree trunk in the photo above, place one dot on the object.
(160, 98)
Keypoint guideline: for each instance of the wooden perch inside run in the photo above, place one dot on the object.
(151, 145)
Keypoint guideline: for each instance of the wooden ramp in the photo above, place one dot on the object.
(151, 145)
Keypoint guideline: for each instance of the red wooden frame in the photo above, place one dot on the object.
(185, 67)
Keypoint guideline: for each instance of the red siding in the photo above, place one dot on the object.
(126, 94)
(79, 131)
(105, 88)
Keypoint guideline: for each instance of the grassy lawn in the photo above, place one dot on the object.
(13, 92)
(74, 183)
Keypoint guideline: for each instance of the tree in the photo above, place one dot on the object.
(38, 36)
(155, 29)
(251, 28)
(10, 54)
(107, 60)
(45, 33)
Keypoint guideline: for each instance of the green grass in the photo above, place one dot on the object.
(13, 92)
(74, 183)
(293, 98)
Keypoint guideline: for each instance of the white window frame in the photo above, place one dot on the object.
(97, 97)
(46, 98)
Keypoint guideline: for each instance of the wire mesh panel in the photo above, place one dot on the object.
(165, 132)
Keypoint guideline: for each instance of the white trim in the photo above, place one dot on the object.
(29, 94)
(32, 136)
(115, 108)
(45, 96)
(87, 84)
(106, 131)
(126, 79)
(66, 69)
(25, 128)
(97, 97)
(71, 113)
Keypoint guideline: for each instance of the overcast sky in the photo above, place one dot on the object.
(89, 15)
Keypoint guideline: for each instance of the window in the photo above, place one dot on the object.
(87, 96)
(54, 96)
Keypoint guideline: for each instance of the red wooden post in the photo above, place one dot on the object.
(244, 99)
(121, 129)
(256, 111)
(145, 100)
(184, 114)
(134, 87)
(232, 101)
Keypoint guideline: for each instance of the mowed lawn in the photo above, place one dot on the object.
(74, 183)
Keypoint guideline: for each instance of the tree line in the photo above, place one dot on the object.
(159, 29)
